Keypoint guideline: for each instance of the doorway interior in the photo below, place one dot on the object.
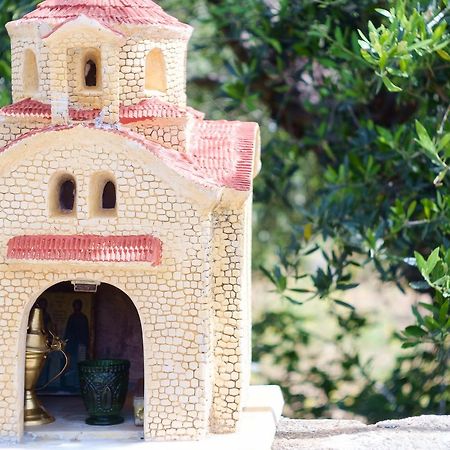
(96, 325)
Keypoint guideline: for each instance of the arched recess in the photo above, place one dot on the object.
(103, 195)
(112, 330)
(62, 195)
(91, 69)
(155, 71)
(30, 73)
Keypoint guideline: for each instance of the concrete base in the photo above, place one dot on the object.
(414, 433)
(257, 429)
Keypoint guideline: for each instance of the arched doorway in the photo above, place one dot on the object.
(95, 325)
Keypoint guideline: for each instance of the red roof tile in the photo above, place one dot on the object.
(30, 108)
(86, 248)
(132, 12)
(225, 151)
(154, 108)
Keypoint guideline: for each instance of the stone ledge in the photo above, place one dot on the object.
(415, 433)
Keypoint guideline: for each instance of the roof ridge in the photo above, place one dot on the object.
(131, 12)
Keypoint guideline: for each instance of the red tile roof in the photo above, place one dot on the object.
(154, 108)
(109, 12)
(29, 108)
(225, 151)
(86, 248)
(148, 109)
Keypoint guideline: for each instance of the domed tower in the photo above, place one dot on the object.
(98, 55)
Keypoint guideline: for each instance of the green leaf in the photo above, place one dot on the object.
(411, 209)
(409, 344)
(444, 142)
(427, 306)
(440, 178)
(421, 263)
(384, 12)
(444, 55)
(415, 331)
(268, 274)
(344, 304)
(443, 312)
(424, 138)
(433, 260)
(431, 324)
(301, 291)
(390, 86)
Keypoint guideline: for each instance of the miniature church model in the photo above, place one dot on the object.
(108, 179)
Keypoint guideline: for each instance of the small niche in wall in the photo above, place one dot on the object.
(91, 70)
(62, 195)
(155, 71)
(103, 195)
(30, 73)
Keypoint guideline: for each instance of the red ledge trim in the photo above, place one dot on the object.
(87, 248)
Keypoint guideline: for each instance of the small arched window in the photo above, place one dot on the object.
(103, 195)
(109, 196)
(67, 192)
(155, 71)
(90, 73)
(91, 69)
(30, 73)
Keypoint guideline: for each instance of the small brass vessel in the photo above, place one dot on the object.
(39, 345)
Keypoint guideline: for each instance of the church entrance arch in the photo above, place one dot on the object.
(104, 324)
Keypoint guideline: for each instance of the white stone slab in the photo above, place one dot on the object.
(261, 414)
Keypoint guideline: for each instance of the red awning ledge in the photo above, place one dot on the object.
(91, 248)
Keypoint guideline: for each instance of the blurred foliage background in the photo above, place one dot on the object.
(353, 100)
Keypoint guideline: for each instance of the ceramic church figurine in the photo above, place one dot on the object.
(107, 175)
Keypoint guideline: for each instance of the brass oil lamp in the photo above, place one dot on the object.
(39, 345)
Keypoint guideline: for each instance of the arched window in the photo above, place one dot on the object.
(155, 71)
(62, 195)
(109, 196)
(90, 74)
(103, 195)
(30, 73)
(91, 69)
(67, 192)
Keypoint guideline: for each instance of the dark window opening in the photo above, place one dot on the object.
(90, 74)
(67, 196)
(109, 196)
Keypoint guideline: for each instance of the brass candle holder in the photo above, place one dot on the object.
(39, 345)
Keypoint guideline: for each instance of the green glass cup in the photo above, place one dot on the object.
(104, 385)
